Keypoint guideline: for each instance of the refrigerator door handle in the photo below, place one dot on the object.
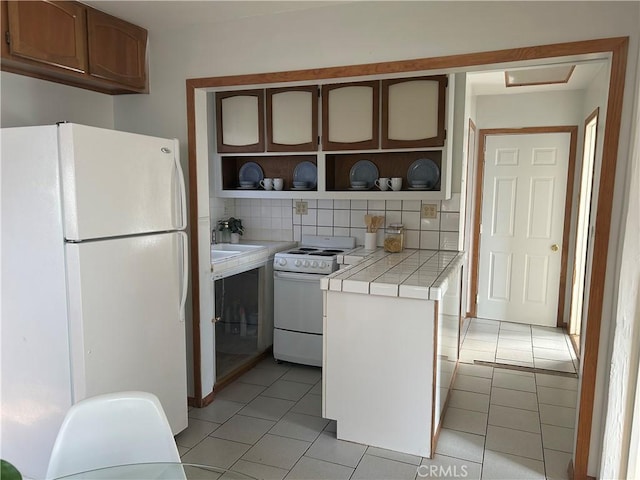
(181, 186)
(185, 273)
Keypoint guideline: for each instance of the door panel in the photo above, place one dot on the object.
(524, 192)
(126, 330)
(500, 276)
(117, 183)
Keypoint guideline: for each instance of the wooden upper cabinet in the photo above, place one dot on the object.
(117, 49)
(73, 44)
(350, 116)
(413, 112)
(240, 121)
(292, 119)
(48, 32)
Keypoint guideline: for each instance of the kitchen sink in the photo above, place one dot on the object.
(221, 254)
(222, 251)
(234, 247)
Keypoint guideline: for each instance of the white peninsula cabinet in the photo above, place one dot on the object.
(391, 341)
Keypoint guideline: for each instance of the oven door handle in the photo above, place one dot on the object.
(302, 277)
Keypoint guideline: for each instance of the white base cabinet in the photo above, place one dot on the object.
(378, 370)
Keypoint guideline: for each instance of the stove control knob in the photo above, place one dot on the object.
(306, 263)
(298, 263)
(282, 262)
(314, 264)
(322, 265)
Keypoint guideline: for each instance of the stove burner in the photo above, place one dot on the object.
(333, 251)
(322, 254)
(307, 249)
(298, 252)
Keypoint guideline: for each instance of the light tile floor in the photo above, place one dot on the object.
(517, 344)
(500, 424)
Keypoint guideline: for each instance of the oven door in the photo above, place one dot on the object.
(297, 300)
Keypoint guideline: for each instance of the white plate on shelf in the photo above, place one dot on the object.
(306, 172)
(418, 188)
(364, 171)
(424, 170)
(246, 187)
(359, 189)
(250, 172)
(302, 188)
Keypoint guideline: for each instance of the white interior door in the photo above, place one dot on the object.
(126, 321)
(524, 188)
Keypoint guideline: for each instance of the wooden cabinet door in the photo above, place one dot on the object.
(117, 50)
(292, 119)
(48, 32)
(240, 121)
(350, 116)
(413, 112)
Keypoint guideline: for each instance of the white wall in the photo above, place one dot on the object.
(29, 101)
(529, 110)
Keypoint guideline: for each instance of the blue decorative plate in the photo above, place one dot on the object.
(364, 171)
(424, 170)
(306, 172)
(250, 172)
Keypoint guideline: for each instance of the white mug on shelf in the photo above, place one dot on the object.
(278, 183)
(395, 183)
(267, 183)
(382, 183)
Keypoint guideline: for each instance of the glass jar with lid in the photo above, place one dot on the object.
(225, 231)
(394, 238)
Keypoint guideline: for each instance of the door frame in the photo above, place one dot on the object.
(477, 213)
(580, 173)
(616, 50)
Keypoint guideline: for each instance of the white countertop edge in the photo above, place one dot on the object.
(343, 280)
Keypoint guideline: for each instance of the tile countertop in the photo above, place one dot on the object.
(248, 260)
(421, 274)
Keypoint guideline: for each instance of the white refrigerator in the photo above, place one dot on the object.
(94, 278)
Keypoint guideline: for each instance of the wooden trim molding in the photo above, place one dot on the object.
(615, 47)
(193, 243)
(472, 160)
(475, 252)
(600, 257)
(568, 205)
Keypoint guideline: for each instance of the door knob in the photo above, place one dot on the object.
(555, 247)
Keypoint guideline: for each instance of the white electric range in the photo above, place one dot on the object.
(297, 311)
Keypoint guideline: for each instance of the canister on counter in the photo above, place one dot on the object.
(394, 238)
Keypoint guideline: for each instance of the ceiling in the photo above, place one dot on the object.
(164, 15)
(492, 82)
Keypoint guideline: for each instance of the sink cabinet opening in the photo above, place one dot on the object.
(239, 332)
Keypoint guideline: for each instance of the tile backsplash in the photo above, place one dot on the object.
(276, 219)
